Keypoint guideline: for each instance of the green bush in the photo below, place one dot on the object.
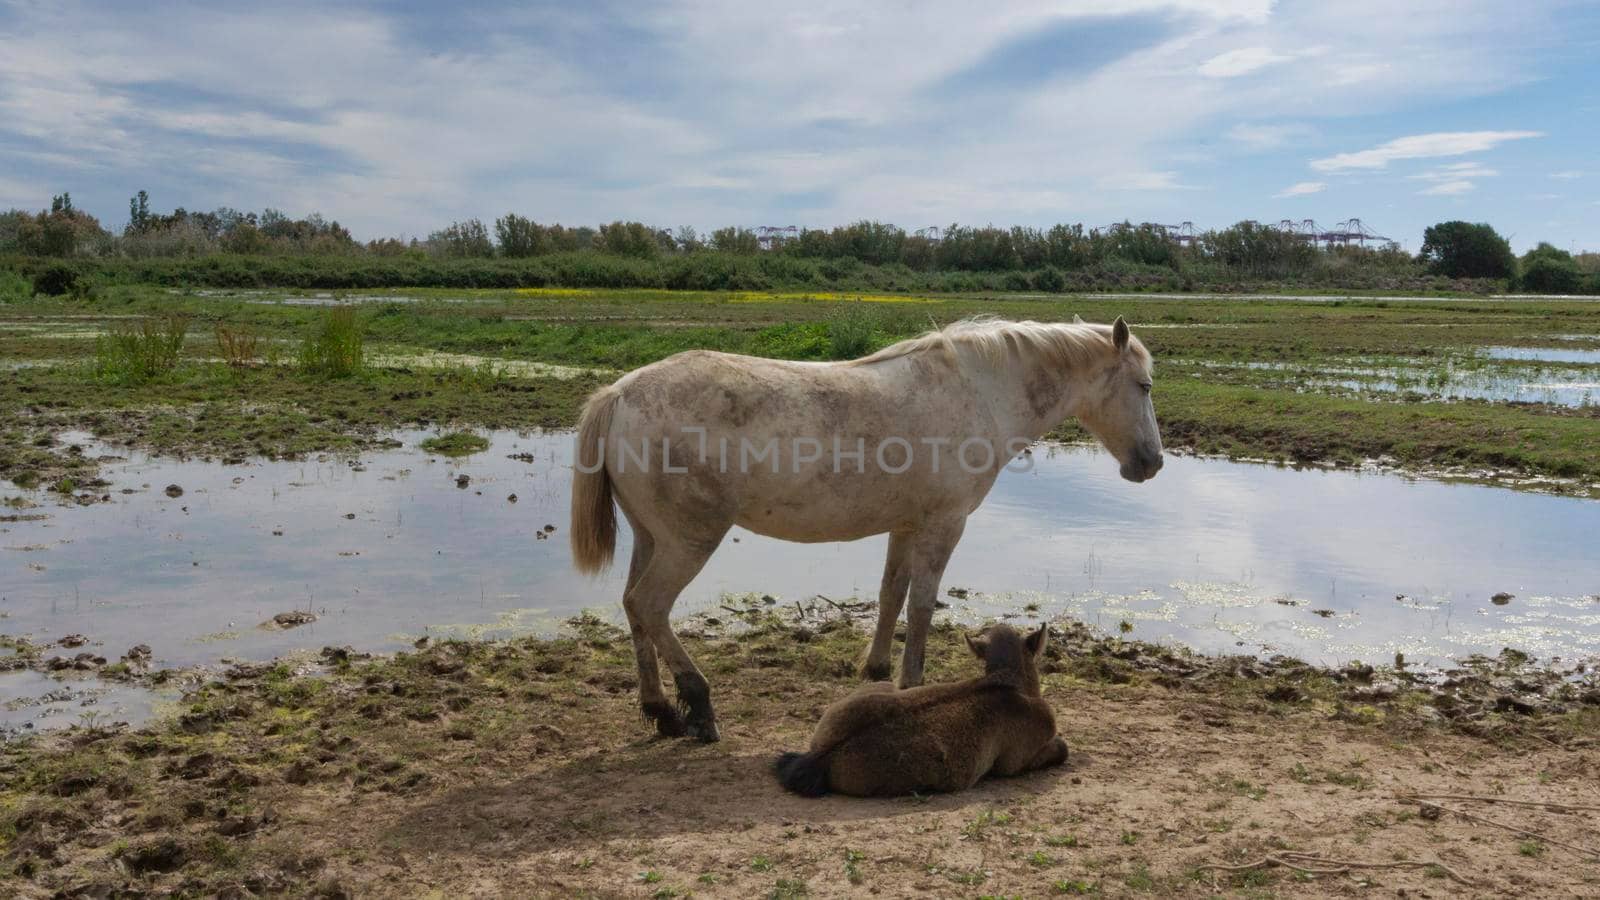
(56, 280)
(13, 287)
(135, 354)
(852, 331)
(1547, 269)
(334, 349)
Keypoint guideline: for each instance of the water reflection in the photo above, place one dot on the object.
(1330, 565)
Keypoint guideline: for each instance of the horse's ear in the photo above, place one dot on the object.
(1077, 319)
(1036, 641)
(979, 646)
(1119, 333)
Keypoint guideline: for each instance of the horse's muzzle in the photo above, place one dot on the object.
(1142, 467)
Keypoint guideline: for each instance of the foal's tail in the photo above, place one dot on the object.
(594, 518)
(804, 773)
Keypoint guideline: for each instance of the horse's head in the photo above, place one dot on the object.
(1117, 408)
(1005, 652)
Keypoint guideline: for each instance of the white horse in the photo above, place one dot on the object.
(906, 441)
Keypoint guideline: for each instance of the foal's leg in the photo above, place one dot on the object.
(891, 596)
(930, 551)
(652, 700)
(673, 564)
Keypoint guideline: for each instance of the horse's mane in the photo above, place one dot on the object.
(1068, 344)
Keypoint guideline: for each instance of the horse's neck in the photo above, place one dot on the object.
(1027, 396)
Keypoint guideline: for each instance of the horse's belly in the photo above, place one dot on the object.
(786, 525)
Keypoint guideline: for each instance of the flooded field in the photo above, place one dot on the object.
(196, 559)
(1559, 377)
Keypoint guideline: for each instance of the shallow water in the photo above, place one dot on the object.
(31, 702)
(1513, 381)
(1218, 555)
(1544, 354)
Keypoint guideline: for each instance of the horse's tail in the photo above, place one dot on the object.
(594, 518)
(805, 774)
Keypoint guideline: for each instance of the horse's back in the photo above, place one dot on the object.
(792, 450)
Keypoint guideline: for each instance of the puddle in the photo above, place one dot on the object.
(1511, 382)
(32, 702)
(1546, 354)
(511, 368)
(1214, 554)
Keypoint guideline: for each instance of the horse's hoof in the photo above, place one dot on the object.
(668, 722)
(875, 672)
(705, 732)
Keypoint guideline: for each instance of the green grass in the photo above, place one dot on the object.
(455, 443)
(335, 349)
(135, 354)
(1206, 398)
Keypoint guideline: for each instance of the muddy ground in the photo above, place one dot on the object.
(522, 768)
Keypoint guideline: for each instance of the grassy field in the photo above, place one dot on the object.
(1337, 381)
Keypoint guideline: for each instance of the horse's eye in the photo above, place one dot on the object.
(1145, 386)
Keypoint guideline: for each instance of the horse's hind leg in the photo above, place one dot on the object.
(891, 596)
(652, 700)
(673, 564)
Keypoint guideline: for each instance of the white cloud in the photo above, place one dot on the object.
(1421, 146)
(1567, 175)
(1243, 61)
(716, 112)
(1301, 189)
(1140, 181)
(1449, 188)
(1456, 172)
(1269, 137)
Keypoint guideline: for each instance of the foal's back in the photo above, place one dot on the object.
(943, 737)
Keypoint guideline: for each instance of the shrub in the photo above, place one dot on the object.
(56, 280)
(135, 354)
(851, 331)
(334, 350)
(1548, 269)
(13, 287)
(238, 346)
(1049, 281)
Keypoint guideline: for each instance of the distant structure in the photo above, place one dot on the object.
(932, 233)
(772, 236)
(1350, 231)
(1183, 232)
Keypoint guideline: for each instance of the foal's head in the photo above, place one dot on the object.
(1005, 652)
(1118, 410)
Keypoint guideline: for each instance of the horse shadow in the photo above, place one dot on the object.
(657, 788)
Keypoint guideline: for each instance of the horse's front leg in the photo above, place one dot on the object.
(930, 551)
(891, 597)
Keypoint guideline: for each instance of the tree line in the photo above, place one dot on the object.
(1247, 250)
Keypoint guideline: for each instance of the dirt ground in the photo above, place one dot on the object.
(523, 769)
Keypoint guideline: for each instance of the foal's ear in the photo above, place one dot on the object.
(1119, 333)
(1036, 641)
(979, 646)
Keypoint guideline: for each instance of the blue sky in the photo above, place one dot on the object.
(397, 118)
